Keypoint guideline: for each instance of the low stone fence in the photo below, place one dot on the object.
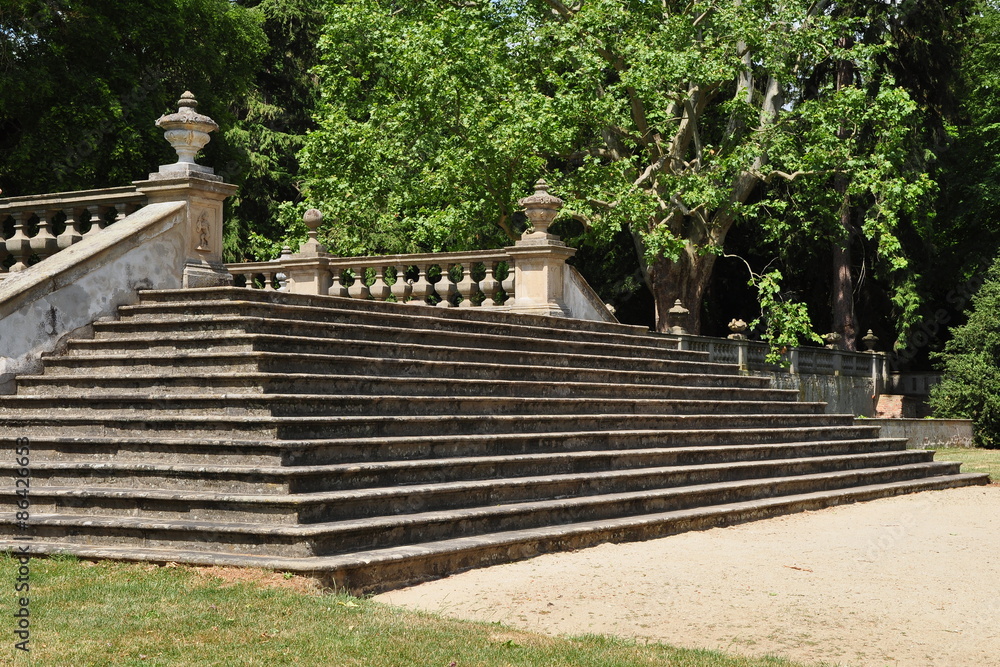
(69, 259)
(848, 382)
(927, 433)
(36, 227)
(484, 279)
(530, 277)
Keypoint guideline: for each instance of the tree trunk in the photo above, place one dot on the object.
(842, 283)
(842, 288)
(686, 279)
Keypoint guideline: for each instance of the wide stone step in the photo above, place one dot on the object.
(32, 424)
(123, 405)
(729, 463)
(272, 362)
(318, 539)
(187, 334)
(204, 450)
(235, 343)
(375, 385)
(374, 570)
(469, 321)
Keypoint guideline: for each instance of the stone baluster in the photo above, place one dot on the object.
(445, 288)
(467, 287)
(379, 289)
(72, 233)
(337, 286)
(19, 245)
(269, 278)
(3, 244)
(248, 280)
(508, 285)
(44, 243)
(358, 289)
(401, 288)
(97, 222)
(122, 211)
(539, 258)
(489, 286)
(677, 318)
(421, 288)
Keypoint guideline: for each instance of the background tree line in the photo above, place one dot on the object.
(810, 165)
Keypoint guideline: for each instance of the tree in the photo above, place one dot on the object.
(428, 133)
(970, 388)
(83, 81)
(274, 117)
(669, 121)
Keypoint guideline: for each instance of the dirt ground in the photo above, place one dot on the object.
(908, 581)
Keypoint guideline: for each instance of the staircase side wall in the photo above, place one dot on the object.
(66, 293)
(843, 394)
(581, 299)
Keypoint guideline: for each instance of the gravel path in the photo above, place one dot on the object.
(912, 580)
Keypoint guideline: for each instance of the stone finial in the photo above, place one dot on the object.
(739, 329)
(313, 218)
(677, 318)
(187, 131)
(832, 340)
(541, 209)
(870, 340)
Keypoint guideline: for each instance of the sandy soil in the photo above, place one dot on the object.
(913, 580)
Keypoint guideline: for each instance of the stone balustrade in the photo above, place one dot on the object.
(36, 227)
(751, 355)
(462, 279)
(531, 277)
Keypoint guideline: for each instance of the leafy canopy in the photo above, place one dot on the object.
(970, 388)
(665, 121)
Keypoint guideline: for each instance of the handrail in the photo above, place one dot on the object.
(327, 275)
(42, 225)
(751, 356)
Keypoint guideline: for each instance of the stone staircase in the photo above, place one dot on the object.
(377, 444)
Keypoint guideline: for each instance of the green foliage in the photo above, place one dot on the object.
(970, 388)
(84, 80)
(274, 118)
(428, 133)
(786, 322)
(665, 121)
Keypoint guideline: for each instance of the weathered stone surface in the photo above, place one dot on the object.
(90, 280)
(410, 442)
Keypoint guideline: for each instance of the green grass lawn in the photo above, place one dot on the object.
(127, 614)
(973, 460)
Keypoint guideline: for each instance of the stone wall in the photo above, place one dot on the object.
(927, 433)
(41, 307)
(843, 394)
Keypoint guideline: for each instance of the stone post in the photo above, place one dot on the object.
(878, 367)
(739, 328)
(309, 269)
(196, 185)
(677, 318)
(540, 258)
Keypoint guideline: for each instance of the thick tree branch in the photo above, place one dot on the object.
(679, 144)
(564, 12)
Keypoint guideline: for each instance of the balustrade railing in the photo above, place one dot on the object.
(35, 227)
(752, 356)
(461, 279)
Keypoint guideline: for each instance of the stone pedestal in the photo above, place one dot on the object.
(198, 187)
(540, 259)
(538, 276)
(308, 270)
(203, 194)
